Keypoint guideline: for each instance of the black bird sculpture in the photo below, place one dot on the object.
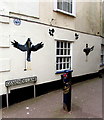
(87, 50)
(51, 32)
(27, 47)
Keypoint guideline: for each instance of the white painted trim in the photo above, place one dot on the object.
(74, 8)
(70, 63)
(58, 39)
(64, 55)
(71, 54)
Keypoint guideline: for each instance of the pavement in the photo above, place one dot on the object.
(86, 103)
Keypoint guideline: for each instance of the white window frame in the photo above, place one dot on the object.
(64, 57)
(102, 55)
(62, 11)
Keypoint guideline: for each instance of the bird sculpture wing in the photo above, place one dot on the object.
(92, 48)
(37, 47)
(19, 46)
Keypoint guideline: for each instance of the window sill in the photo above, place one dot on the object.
(63, 71)
(101, 65)
(61, 11)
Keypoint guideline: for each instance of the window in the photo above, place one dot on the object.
(63, 57)
(102, 54)
(65, 6)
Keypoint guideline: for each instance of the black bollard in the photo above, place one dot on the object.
(66, 77)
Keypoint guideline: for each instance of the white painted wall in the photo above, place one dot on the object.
(43, 60)
(12, 61)
(24, 7)
(80, 65)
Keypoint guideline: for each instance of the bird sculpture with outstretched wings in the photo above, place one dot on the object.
(27, 47)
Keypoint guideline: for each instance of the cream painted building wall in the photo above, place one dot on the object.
(87, 19)
(102, 19)
(36, 19)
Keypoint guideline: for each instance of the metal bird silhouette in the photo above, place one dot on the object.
(27, 47)
(87, 50)
(51, 32)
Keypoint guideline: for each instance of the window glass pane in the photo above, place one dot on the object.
(65, 5)
(65, 52)
(67, 59)
(57, 52)
(56, 66)
(60, 66)
(56, 60)
(58, 44)
(61, 59)
(69, 52)
(64, 59)
(70, 6)
(64, 66)
(68, 45)
(65, 44)
(61, 44)
(67, 65)
(59, 4)
(61, 51)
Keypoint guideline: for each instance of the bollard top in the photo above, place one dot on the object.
(67, 71)
(64, 71)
